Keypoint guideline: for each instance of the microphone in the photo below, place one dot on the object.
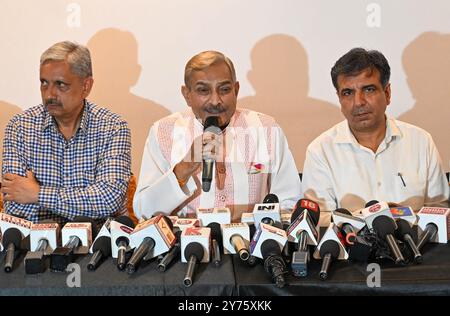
(236, 237)
(194, 251)
(152, 238)
(359, 249)
(44, 238)
(273, 261)
(404, 233)
(216, 243)
(11, 241)
(101, 249)
(77, 238)
(263, 233)
(303, 229)
(268, 212)
(370, 203)
(329, 251)
(385, 227)
(330, 248)
(172, 254)
(434, 222)
(195, 245)
(374, 210)
(211, 125)
(121, 229)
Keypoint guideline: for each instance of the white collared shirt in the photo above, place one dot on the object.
(406, 169)
(257, 161)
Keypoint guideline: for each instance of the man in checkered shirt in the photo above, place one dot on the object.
(66, 157)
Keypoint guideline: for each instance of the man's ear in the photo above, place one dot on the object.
(236, 88)
(387, 92)
(185, 92)
(87, 86)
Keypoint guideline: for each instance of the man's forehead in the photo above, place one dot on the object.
(367, 75)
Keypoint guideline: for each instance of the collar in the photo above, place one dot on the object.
(49, 121)
(345, 136)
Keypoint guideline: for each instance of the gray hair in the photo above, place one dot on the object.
(204, 60)
(76, 55)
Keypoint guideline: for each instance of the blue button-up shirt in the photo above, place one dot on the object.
(86, 175)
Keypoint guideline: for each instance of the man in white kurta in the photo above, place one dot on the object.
(254, 158)
(370, 156)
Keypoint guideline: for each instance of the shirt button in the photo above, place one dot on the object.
(222, 198)
(221, 170)
(379, 184)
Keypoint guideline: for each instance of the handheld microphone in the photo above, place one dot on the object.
(216, 243)
(330, 248)
(303, 229)
(211, 125)
(77, 238)
(44, 238)
(236, 237)
(220, 215)
(152, 238)
(404, 233)
(195, 245)
(194, 251)
(101, 248)
(329, 251)
(121, 229)
(11, 241)
(268, 212)
(171, 254)
(375, 210)
(385, 228)
(273, 261)
(435, 224)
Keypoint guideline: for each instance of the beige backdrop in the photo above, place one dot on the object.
(282, 49)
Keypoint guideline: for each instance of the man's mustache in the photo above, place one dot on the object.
(360, 110)
(215, 109)
(52, 102)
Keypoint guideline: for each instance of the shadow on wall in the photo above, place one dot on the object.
(7, 112)
(116, 70)
(426, 62)
(280, 79)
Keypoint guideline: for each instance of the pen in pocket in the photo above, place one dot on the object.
(401, 177)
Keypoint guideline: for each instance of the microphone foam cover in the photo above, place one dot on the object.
(331, 247)
(313, 214)
(271, 198)
(403, 228)
(194, 249)
(103, 244)
(384, 225)
(12, 236)
(270, 247)
(211, 121)
(216, 232)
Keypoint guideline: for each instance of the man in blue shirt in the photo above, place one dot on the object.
(65, 157)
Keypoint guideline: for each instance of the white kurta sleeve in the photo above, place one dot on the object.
(286, 181)
(437, 193)
(158, 190)
(317, 184)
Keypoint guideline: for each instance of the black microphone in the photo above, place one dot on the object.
(404, 233)
(216, 243)
(171, 254)
(101, 249)
(211, 125)
(194, 253)
(122, 242)
(271, 198)
(273, 261)
(385, 228)
(11, 241)
(430, 231)
(252, 260)
(329, 251)
(146, 245)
